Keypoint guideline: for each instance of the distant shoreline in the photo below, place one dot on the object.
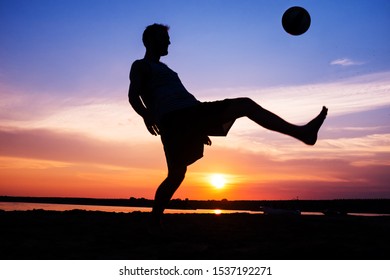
(377, 206)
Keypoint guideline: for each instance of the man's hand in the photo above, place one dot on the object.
(151, 125)
(207, 141)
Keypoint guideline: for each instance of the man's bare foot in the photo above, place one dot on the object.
(310, 130)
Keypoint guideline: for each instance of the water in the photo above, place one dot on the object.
(24, 206)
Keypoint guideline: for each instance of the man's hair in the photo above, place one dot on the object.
(151, 32)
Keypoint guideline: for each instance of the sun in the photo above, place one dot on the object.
(218, 180)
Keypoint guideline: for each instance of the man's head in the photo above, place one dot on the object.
(156, 39)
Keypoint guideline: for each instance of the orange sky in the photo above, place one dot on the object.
(120, 159)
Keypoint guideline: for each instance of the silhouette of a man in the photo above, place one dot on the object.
(184, 123)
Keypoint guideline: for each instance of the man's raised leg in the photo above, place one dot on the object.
(243, 106)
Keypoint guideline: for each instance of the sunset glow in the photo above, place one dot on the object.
(218, 180)
(67, 129)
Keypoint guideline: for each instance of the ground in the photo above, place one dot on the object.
(91, 235)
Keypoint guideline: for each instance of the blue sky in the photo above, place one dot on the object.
(241, 43)
(65, 64)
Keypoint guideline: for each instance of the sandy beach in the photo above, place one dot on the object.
(92, 235)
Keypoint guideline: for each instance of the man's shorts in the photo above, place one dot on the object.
(184, 132)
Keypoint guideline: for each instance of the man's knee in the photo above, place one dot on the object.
(246, 101)
(241, 106)
(177, 174)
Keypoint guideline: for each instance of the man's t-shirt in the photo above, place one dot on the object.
(165, 92)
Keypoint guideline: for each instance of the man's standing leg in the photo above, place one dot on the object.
(166, 190)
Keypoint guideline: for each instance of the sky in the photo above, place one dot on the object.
(67, 129)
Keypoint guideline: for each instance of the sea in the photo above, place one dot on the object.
(25, 206)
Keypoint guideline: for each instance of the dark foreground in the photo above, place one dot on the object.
(79, 235)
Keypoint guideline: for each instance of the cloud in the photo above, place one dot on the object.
(44, 144)
(298, 103)
(345, 62)
(113, 118)
(357, 122)
(106, 124)
(103, 118)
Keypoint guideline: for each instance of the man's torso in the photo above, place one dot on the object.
(164, 92)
